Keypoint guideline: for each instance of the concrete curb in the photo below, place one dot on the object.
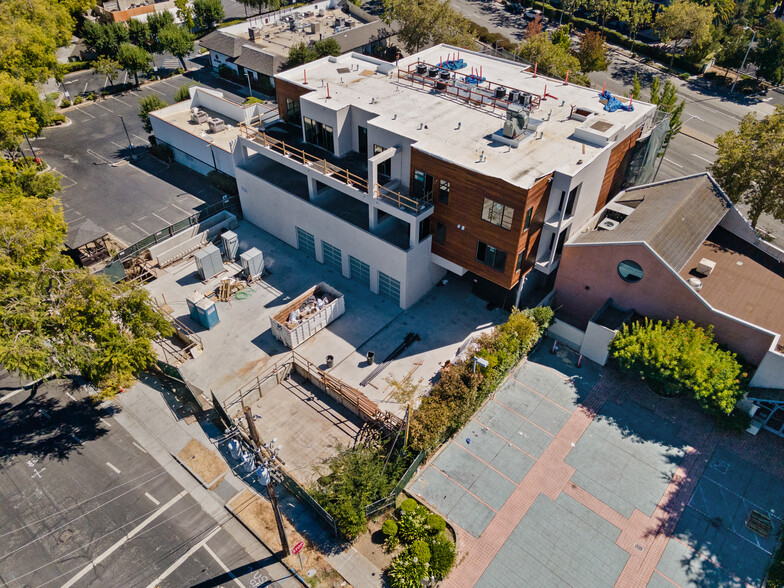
(267, 547)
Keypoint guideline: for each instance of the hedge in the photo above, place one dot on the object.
(72, 66)
(460, 390)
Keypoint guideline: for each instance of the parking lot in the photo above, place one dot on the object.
(578, 477)
(125, 190)
(84, 504)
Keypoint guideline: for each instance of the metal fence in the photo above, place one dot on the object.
(389, 500)
(231, 203)
(291, 485)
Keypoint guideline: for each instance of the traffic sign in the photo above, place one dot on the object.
(297, 548)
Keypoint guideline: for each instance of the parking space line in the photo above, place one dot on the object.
(698, 157)
(101, 106)
(84, 111)
(71, 396)
(105, 422)
(116, 470)
(94, 563)
(168, 84)
(152, 499)
(154, 90)
(139, 447)
(141, 229)
(10, 394)
(145, 141)
(182, 209)
(120, 101)
(223, 566)
(673, 163)
(181, 560)
(160, 217)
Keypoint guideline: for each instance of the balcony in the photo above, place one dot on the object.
(350, 169)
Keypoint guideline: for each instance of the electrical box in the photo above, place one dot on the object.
(231, 243)
(252, 263)
(208, 261)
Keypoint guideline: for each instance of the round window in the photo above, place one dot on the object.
(630, 271)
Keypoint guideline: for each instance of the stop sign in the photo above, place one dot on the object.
(297, 548)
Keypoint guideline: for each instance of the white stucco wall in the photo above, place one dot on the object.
(279, 213)
(566, 334)
(596, 343)
(770, 372)
(194, 151)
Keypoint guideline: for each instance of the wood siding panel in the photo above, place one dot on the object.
(466, 196)
(283, 90)
(616, 167)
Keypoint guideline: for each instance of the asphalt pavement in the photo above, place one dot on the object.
(84, 504)
(108, 175)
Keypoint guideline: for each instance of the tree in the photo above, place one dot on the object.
(605, 9)
(108, 68)
(639, 14)
(666, 100)
(183, 93)
(299, 54)
(326, 47)
(723, 9)
(750, 164)
(208, 13)
(185, 12)
(156, 22)
(147, 105)
(429, 22)
(21, 112)
(636, 90)
(134, 59)
(552, 59)
(139, 33)
(769, 53)
(177, 41)
(30, 33)
(105, 39)
(733, 49)
(533, 29)
(592, 52)
(270, 5)
(683, 20)
(561, 37)
(569, 6)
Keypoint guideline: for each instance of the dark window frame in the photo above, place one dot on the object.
(520, 260)
(293, 111)
(443, 193)
(319, 134)
(385, 167)
(440, 234)
(422, 188)
(528, 216)
(631, 278)
(500, 215)
(490, 256)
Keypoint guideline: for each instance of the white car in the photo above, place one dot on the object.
(532, 14)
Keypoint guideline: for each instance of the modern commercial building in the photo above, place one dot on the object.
(677, 248)
(256, 49)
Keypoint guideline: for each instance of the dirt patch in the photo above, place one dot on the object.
(256, 513)
(371, 543)
(203, 462)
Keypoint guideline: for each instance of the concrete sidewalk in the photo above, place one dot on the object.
(147, 416)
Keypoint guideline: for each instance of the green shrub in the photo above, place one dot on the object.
(442, 556)
(162, 151)
(685, 75)
(408, 505)
(420, 550)
(222, 182)
(90, 96)
(677, 357)
(404, 572)
(182, 93)
(72, 66)
(411, 526)
(436, 523)
(65, 103)
(389, 528)
(78, 100)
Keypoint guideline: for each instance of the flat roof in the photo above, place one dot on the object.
(181, 118)
(449, 128)
(746, 282)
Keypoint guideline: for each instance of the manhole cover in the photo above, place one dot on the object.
(639, 547)
(720, 466)
(65, 536)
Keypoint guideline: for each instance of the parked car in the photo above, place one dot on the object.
(532, 14)
(513, 8)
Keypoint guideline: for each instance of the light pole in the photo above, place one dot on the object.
(133, 155)
(250, 90)
(668, 145)
(745, 57)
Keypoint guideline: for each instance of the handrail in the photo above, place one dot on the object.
(329, 169)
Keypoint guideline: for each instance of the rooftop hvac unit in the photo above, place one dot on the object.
(500, 92)
(351, 23)
(252, 263)
(199, 116)
(217, 125)
(706, 266)
(338, 22)
(208, 261)
(231, 243)
(421, 68)
(695, 283)
(254, 33)
(516, 121)
(315, 28)
(514, 95)
(525, 100)
(432, 72)
(607, 224)
(445, 75)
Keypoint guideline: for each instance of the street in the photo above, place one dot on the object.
(86, 505)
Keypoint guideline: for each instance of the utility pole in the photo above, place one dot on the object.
(268, 473)
(745, 57)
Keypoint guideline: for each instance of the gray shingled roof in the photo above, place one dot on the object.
(256, 59)
(673, 218)
(82, 233)
(362, 35)
(223, 43)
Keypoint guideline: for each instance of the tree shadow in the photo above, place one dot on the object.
(42, 426)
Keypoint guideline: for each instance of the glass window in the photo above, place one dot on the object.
(440, 233)
(424, 229)
(423, 186)
(630, 271)
(491, 256)
(571, 202)
(520, 258)
(319, 134)
(497, 213)
(292, 111)
(443, 192)
(385, 167)
(528, 214)
(362, 141)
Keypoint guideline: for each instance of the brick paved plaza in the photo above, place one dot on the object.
(581, 477)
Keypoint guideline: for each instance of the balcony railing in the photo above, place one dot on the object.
(338, 173)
